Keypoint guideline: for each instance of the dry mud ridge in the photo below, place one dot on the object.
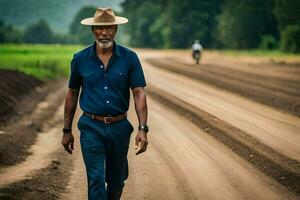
(12, 90)
(28, 146)
(205, 142)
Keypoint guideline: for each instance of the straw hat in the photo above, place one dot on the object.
(104, 16)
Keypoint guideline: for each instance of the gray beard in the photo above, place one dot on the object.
(105, 45)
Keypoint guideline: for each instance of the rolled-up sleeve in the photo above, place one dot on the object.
(75, 77)
(136, 74)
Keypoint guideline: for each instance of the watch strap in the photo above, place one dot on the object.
(67, 130)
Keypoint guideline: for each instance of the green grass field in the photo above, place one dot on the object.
(44, 62)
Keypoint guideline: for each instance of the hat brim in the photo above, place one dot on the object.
(90, 21)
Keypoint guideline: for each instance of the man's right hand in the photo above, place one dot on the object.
(68, 142)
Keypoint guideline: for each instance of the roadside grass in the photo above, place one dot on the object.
(260, 52)
(258, 56)
(44, 62)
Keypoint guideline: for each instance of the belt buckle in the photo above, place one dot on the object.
(107, 118)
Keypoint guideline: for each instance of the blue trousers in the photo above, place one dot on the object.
(104, 148)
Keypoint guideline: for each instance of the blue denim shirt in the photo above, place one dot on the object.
(106, 92)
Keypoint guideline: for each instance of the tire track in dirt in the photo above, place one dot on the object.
(200, 162)
(44, 174)
(271, 127)
(286, 68)
(41, 172)
(283, 169)
(284, 84)
(266, 155)
(278, 92)
(47, 142)
(158, 172)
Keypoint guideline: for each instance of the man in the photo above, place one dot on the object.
(104, 72)
(197, 48)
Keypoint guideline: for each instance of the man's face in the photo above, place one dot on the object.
(104, 35)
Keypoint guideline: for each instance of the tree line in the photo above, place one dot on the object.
(38, 32)
(230, 24)
(233, 24)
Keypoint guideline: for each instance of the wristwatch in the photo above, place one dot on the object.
(144, 128)
(67, 130)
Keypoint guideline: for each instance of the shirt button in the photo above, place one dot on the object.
(107, 101)
(101, 66)
(105, 87)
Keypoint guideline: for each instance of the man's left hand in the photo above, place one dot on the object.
(68, 142)
(141, 142)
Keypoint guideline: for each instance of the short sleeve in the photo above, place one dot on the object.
(136, 75)
(75, 78)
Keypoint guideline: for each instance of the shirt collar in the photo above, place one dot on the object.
(116, 49)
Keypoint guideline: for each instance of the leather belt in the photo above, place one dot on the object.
(106, 119)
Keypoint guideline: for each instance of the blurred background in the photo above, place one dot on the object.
(229, 24)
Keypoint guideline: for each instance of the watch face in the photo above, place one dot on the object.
(144, 128)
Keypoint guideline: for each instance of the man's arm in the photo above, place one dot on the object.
(140, 102)
(70, 108)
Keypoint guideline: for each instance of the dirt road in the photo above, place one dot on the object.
(276, 129)
(183, 161)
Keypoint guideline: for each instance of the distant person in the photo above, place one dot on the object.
(197, 50)
(104, 72)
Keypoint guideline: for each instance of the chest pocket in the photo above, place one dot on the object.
(119, 78)
(92, 79)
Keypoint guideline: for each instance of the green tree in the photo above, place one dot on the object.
(190, 20)
(80, 32)
(287, 13)
(39, 32)
(129, 10)
(2, 32)
(243, 23)
(171, 24)
(145, 22)
(290, 40)
(160, 31)
(268, 42)
(147, 14)
(2, 36)
(8, 34)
